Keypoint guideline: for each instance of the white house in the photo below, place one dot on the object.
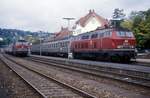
(90, 22)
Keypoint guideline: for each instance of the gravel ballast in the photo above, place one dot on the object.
(12, 86)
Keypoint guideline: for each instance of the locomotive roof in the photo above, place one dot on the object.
(21, 41)
(96, 31)
(102, 30)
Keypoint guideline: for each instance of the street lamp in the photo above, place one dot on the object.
(40, 37)
(69, 19)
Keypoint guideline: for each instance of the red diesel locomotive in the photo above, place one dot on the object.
(107, 44)
(18, 48)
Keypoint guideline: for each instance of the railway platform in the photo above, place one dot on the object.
(143, 61)
(144, 69)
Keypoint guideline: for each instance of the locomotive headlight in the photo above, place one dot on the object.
(126, 41)
(119, 46)
(132, 46)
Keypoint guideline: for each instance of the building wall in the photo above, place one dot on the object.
(91, 25)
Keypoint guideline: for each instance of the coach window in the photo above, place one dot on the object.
(94, 36)
(55, 45)
(63, 44)
(60, 44)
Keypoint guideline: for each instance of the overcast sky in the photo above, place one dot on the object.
(46, 15)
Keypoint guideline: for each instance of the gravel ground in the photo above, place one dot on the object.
(12, 86)
(99, 89)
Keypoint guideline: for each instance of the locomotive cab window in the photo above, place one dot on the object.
(121, 33)
(129, 34)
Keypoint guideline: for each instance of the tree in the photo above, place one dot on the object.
(118, 17)
(141, 27)
(118, 14)
(127, 24)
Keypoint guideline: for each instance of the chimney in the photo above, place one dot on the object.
(93, 11)
(62, 28)
(90, 11)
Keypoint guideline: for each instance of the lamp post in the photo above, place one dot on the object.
(69, 19)
(40, 43)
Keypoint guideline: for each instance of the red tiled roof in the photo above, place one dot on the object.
(64, 32)
(82, 21)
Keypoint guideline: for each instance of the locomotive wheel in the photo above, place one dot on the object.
(115, 58)
(126, 59)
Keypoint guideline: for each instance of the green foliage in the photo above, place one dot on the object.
(118, 17)
(127, 24)
(139, 23)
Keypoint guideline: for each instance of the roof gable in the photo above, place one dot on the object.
(84, 20)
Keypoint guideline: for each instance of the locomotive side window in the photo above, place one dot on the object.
(101, 34)
(94, 36)
(85, 37)
(120, 33)
(107, 34)
(123, 34)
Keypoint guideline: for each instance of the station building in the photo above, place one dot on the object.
(87, 23)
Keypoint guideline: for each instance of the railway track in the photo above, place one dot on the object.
(45, 85)
(127, 76)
